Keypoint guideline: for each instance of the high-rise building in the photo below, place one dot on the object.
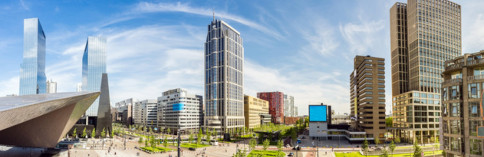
(367, 86)
(78, 87)
(93, 66)
(253, 109)
(288, 105)
(276, 105)
(32, 69)
(177, 109)
(146, 113)
(124, 111)
(51, 86)
(462, 105)
(424, 34)
(224, 77)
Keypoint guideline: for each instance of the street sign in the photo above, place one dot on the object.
(480, 131)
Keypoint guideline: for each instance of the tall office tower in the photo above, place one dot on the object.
(424, 34)
(276, 105)
(368, 96)
(124, 111)
(51, 86)
(254, 110)
(224, 77)
(93, 66)
(32, 69)
(462, 105)
(146, 113)
(288, 105)
(177, 109)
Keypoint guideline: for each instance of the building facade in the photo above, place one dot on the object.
(124, 112)
(276, 105)
(424, 34)
(32, 69)
(253, 109)
(177, 109)
(462, 105)
(146, 113)
(224, 60)
(51, 86)
(93, 66)
(288, 105)
(367, 86)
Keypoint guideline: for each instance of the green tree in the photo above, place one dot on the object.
(140, 140)
(112, 134)
(364, 147)
(389, 122)
(265, 144)
(93, 133)
(417, 151)
(392, 147)
(84, 134)
(146, 142)
(252, 144)
(384, 152)
(165, 142)
(168, 131)
(199, 136)
(397, 140)
(294, 136)
(377, 141)
(103, 133)
(279, 146)
(152, 142)
(209, 136)
(74, 133)
(190, 138)
(240, 153)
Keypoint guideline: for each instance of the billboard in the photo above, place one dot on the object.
(178, 107)
(317, 113)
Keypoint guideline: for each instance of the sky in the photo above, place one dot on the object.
(302, 48)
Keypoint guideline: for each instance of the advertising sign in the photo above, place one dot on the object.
(178, 107)
(317, 113)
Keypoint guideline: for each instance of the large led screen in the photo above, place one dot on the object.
(178, 107)
(317, 113)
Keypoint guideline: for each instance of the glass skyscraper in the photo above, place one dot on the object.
(224, 60)
(93, 66)
(32, 69)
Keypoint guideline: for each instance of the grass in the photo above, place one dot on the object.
(357, 154)
(264, 153)
(193, 145)
(156, 149)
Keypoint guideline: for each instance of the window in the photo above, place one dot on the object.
(454, 92)
(474, 90)
(455, 108)
(474, 109)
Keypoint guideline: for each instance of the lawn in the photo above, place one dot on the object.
(265, 153)
(193, 145)
(357, 154)
(156, 149)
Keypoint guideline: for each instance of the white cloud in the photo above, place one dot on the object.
(185, 8)
(361, 37)
(9, 86)
(24, 5)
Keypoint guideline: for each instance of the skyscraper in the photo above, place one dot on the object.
(51, 86)
(288, 105)
(224, 62)
(93, 66)
(276, 105)
(32, 69)
(424, 34)
(367, 98)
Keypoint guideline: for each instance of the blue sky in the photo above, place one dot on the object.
(302, 48)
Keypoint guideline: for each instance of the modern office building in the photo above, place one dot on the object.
(288, 105)
(124, 112)
(146, 113)
(253, 109)
(51, 86)
(93, 66)
(224, 77)
(424, 34)
(32, 69)
(177, 109)
(276, 105)
(462, 105)
(367, 86)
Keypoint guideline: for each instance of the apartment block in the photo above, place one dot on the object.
(276, 105)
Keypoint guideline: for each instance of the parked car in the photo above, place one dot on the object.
(191, 148)
(290, 154)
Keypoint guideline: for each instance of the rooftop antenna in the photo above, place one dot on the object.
(213, 13)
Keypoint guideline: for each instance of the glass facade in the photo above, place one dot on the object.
(32, 69)
(93, 66)
(224, 59)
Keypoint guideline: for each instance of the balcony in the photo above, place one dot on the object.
(475, 62)
(454, 66)
(453, 81)
(475, 77)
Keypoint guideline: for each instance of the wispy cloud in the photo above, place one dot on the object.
(186, 8)
(24, 5)
(361, 37)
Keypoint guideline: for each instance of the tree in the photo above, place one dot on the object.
(190, 138)
(74, 133)
(140, 140)
(199, 136)
(165, 142)
(293, 135)
(146, 142)
(384, 152)
(364, 147)
(93, 133)
(168, 130)
(417, 151)
(84, 134)
(252, 144)
(265, 144)
(152, 142)
(240, 153)
(112, 134)
(389, 122)
(103, 133)
(397, 140)
(377, 141)
(279, 147)
(392, 147)
(209, 136)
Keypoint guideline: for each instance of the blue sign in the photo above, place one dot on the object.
(317, 113)
(178, 107)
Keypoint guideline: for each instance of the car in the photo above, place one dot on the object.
(290, 154)
(303, 137)
(191, 148)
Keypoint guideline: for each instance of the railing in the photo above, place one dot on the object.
(451, 81)
(475, 77)
(473, 62)
(454, 66)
